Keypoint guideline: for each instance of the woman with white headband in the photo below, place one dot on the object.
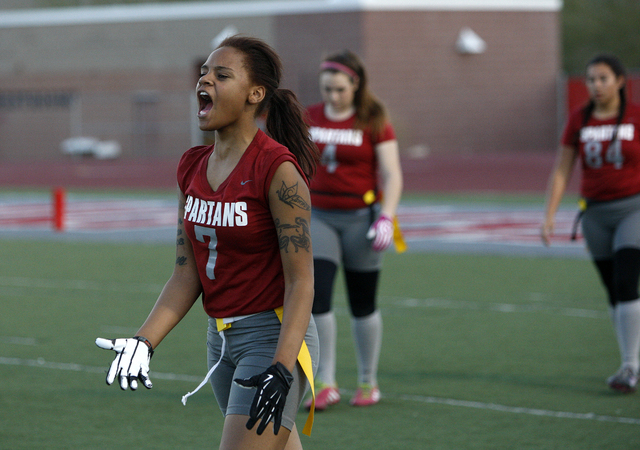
(352, 221)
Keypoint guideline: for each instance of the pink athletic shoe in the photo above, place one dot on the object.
(366, 395)
(325, 396)
(625, 381)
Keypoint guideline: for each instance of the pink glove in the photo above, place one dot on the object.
(381, 232)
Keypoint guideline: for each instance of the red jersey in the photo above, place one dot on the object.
(610, 170)
(234, 239)
(348, 167)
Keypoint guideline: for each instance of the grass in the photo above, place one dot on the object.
(479, 352)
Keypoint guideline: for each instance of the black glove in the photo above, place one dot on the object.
(272, 388)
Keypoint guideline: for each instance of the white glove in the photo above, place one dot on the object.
(131, 362)
(381, 232)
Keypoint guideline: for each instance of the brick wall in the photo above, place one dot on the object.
(503, 100)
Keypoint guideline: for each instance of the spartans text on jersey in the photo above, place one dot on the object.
(625, 132)
(220, 214)
(336, 136)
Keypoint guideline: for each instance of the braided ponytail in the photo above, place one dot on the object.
(286, 124)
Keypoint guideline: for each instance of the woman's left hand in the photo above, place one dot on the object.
(272, 389)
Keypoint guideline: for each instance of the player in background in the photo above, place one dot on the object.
(605, 136)
(353, 216)
(243, 244)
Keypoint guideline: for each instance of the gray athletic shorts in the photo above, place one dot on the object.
(249, 349)
(341, 237)
(610, 226)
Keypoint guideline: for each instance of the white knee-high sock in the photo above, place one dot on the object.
(614, 320)
(367, 332)
(628, 328)
(327, 331)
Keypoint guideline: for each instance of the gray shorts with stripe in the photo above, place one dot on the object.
(612, 225)
(341, 237)
(249, 349)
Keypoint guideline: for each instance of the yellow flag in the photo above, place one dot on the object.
(398, 238)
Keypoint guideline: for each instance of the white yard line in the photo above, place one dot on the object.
(80, 285)
(405, 302)
(41, 363)
(469, 305)
(517, 409)
(73, 367)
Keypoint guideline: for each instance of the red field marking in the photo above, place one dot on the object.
(457, 225)
(92, 215)
(442, 223)
(27, 214)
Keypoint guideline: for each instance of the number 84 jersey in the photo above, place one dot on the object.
(610, 168)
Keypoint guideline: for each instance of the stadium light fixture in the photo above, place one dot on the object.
(469, 43)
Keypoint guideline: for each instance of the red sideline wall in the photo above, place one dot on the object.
(498, 172)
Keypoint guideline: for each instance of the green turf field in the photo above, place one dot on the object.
(480, 352)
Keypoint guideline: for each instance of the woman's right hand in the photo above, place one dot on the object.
(131, 362)
(558, 181)
(546, 231)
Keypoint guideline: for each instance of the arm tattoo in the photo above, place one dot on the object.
(298, 236)
(180, 260)
(289, 196)
(180, 241)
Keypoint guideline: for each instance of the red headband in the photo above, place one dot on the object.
(339, 67)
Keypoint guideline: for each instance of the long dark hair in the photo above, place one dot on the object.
(285, 115)
(370, 111)
(618, 69)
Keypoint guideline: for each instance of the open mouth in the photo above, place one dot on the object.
(204, 103)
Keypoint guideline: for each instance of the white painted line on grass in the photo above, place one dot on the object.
(81, 285)
(41, 363)
(519, 410)
(17, 340)
(498, 307)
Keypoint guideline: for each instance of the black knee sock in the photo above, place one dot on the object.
(362, 287)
